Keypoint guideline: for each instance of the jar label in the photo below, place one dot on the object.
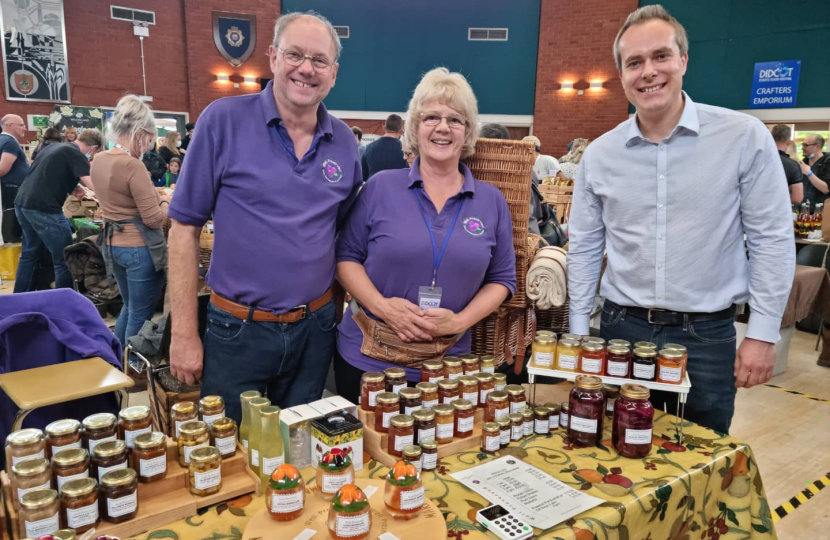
(42, 527)
(348, 526)
(104, 470)
(470, 371)
(56, 449)
(41, 454)
(424, 434)
(585, 425)
(245, 444)
(541, 426)
(333, 482)
(671, 374)
(567, 361)
(563, 420)
(500, 387)
(403, 440)
(412, 498)
(544, 359)
(637, 436)
(488, 370)
(482, 395)
(643, 371)
(449, 399)
(189, 450)
(270, 465)
(502, 413)
(617, 369)
(428, 405)
(373, 397)
(148, 468)
(225, 445)
(436, 379)
(129, 436)
(23, 491)
(78, 517)
(93, 444)
(211, 418)
(465, 424)
(504, 436)
(429, 461)
(179, 425)
(64, 479)
(443, 431)
(471, 397)
(516, 432)
(527, 427)
(284, 503)
(591, 365)
(491, 444)
(409, 410)
(609, 405)
(417, 464)
(387, 416)
(254, 457)
(454, 376)
(517, 406)
(123, 505)
(208, 479)
(398, 387)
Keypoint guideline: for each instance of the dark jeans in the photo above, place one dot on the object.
(140, 286)
(40, 229)
(711, 365)
(287, 362)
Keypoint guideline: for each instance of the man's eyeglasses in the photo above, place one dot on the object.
(804, 145)
(295, 59)
(454, 121)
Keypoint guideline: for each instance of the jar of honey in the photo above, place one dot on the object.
(469, 388)
(543, 351)
(488, 364)
(670, 367)
(401, 434)
(516, 397)
(410, 400)
(395, 379)
(464, 418)
(444, 423)
(497, 406)
(571, 337)
(448, 391)
(432, 371)
(372, 383)
(470, 364)
(452, 367)
(388, 405)
(618, 361)
(567, 355)
(486, 384)
(592, 358)
(429, 394)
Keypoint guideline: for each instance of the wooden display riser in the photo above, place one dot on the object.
(165, 501)
(4, 522)
(375, 443)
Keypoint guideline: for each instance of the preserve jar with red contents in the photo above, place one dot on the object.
(448, 391)
(592, 358)
(387, 407)
(633, 422)
(469, 388)
(395, 379)
(486, 384)
(432, 371)
(516, 397)
(587, 409)
(372, 383)
(618, 361)
(453, 368)
(401, 434)
(464, 418)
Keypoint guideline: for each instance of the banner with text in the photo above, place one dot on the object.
(775, 85)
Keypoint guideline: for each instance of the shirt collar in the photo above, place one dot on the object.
(469, 186)
(688, 121)
(272, 113)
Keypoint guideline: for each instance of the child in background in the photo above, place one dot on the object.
(172, 174)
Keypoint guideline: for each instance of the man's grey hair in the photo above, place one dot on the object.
(5, 120)
(645, 14)
(819, 140)
(282, 24)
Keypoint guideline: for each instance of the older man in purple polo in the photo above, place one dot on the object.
(277, 174)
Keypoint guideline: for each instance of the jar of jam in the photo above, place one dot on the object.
(429, 394)
(633, 422)
(592, 358)
(553, 419)
(63, 435)
(565, 416)
(150, 457)
(432, 371)
(469, 364)
(132, 422)
(571, 337)
(504, 432)
(497, 406)
(619, 343)
(29, 475)
(223, 436)
(182, 412)
(567, 355)
(70, 465)
(448, 391)
(587, 411)
(618, 361)
(516, 426)
(204, 471)
(444, 423)
(516, 397)
(24, 444)
(412, 454)
(611, 394)
(429, 454)
(670, 367)
(372, 383)
(401, 434)
(464, 418)
(527, 422)
(543, 351)
(99, 428)
(39, 513)
(119, 496)
(388, 405)
(645, 345)
(490, 437)
(79, 504)
(643, 364)
(192, 436)
(108, 456)
(683, 351)
(488, 364)
(410, 400)
(486, 384)
(453, 368)
(211, 408)
(541, 420)
(424, 425)
(469, 388)
(394, 379)
(499, 382)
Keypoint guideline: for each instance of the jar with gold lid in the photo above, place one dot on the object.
(182, 412)
(79, 504)
(432, 371)
(448, 391)
(394, 379)
(499, 382)
(464, 418)
(567, 355)
(39, 513)
(619, 343)
(516, 397)
(592, 358)
(192, 436)
(488, 364)
(211, 408)
(372, 383)
(543, 351)
(553, 421)
(67, 534)
(132, 422)
(541, 417)
(587, 403)
(205, 471)
(388, 405)
(645, 345)
(683, 352)
(429, 454)
(70, 465)
(412, 453)
(564, 415)
(490, 437)
(98, 428)
(468, 385)
(644, 364)
(223, 436)
(119, 496)
(527, 422)
(63, 435)
(611, 394)
(631, 431)
(670, 367)
(618, 360)
(424, 425)
(444, 423)
(470, 364)
(497, 406)
(504, 432)
(401, 434)
(150, 457)
(486, 384)
(108, 456)
(24, 444)
(410, 400)
(571, 337)
(30, 475)
(453, 368)
(516, 427)
(429, 394)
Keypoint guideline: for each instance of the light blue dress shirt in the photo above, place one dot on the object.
(673, 215)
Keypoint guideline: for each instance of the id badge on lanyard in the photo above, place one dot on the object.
(429, 297)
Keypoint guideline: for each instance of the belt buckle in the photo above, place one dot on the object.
(649, 315)
(304, 309)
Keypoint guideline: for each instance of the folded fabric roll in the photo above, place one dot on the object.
(547, 278)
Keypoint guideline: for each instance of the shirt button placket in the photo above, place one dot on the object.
(662, 221)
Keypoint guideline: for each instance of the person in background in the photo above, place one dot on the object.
(568, 146)
(39, 205)
(494, 131)
(50, 135)
(792, 151)
(358, 135)
(408, 155)
(386, 152)
(545, 166)
(569, 164)
(172, 175)
(816, 169)
(170, 147)
(792, 170)
(188, 135)
(13, 164)
(70, 134)
(154, 164)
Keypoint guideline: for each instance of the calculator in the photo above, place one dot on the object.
(503, 524)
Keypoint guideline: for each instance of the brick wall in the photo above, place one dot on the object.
(575, 44)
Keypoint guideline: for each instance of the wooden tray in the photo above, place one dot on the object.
(430, 524)
(4, 523)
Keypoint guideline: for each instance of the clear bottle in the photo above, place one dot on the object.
(255, 433)
(272, 451)
(245, 425)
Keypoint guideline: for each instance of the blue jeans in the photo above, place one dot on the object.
(140, 287)
(711, 365)
(51, 231)
(286, 362)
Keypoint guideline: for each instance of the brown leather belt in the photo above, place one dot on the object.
(241, 311)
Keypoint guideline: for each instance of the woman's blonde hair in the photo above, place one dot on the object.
(131, 117)
(577, 149)
(70, 129)
(170, 141)
(450, 89)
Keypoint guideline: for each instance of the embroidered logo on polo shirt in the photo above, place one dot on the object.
(473, 226)
(332, 171)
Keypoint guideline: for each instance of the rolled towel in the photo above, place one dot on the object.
(547, 278)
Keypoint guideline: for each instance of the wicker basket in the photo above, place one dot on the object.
(554, 319)
(205, 249)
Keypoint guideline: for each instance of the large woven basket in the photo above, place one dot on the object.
(205, 249)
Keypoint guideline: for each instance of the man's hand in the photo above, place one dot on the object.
(186, 359)
(447, 323)
(79, 192)
(805, 169)
(754, 362)
(407, 320)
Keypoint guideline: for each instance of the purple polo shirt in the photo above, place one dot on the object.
(386, 233)
(275, 217)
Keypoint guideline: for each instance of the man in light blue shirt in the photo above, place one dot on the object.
(671, 194)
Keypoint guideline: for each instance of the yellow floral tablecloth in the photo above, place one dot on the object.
(709, 488)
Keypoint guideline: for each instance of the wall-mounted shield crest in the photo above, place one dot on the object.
(234, 35)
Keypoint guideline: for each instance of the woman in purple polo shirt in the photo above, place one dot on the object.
(427, 236)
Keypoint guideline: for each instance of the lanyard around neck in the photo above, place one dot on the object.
(436, 256)
(125, 149)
